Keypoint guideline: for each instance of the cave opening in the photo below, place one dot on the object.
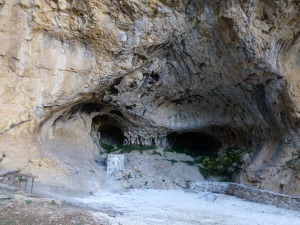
(91, 107)
(194, 143)
(111, 135)
(109, 128)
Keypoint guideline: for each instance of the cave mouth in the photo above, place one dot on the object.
(194, 143)
(111, 135)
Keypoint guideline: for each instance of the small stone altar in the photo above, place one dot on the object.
(114, 162)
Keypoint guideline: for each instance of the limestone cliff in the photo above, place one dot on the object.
(150, 68)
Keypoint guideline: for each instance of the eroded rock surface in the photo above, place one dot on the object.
(149, 68)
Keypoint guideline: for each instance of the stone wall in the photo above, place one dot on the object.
(248, 193)
(209, 186)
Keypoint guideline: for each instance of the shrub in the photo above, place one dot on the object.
(28, 202)
(226, 165)
(129, 148)
(108, 148)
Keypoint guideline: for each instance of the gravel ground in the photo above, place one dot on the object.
(139, 207)
(145, 207)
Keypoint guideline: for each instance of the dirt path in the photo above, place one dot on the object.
(140, 207)
(145, 207)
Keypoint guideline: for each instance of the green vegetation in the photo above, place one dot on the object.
(129, 148)
(272, 28)
(191, 163)
(6, 198)
(28, 202)
(204, 172)
(126, 148)
(155, 11)
(173, 161)
(226, 166)
(227, 179)
(175, 149)
(108, 148)
(292, 163)
(127, 176)
(211, 164)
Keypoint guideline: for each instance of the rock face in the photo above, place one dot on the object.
(149, 68)
(156, 171)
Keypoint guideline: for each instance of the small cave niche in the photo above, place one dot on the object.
(117, 113)
(113, 90)
(111, 135)
(155, 76)
(91, 107)
(109, 130)
(194, 143)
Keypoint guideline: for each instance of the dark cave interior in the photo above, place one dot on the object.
(194, 143)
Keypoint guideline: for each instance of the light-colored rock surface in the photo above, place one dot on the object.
(150, 68)
(150, 170)
(178, 157)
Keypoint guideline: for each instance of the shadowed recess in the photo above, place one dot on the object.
(111, 135)
(194, 143)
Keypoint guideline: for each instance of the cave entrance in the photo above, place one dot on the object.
(194, 143)
(111, 135)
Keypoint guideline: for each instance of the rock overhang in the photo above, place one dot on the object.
(190, 66)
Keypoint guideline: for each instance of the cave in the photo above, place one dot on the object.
(111, 135)
(194, 143)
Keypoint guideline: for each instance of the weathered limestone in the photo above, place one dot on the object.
(149, 68)
(150, 169)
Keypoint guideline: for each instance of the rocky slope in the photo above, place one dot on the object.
(225, 71)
